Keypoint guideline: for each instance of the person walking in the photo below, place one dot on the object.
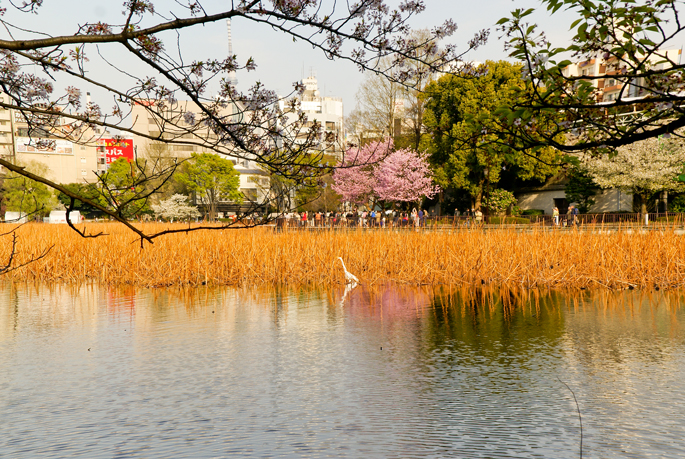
(479, 217)
(575, 214)
(555, 215)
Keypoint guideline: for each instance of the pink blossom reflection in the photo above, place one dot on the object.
(385, 301)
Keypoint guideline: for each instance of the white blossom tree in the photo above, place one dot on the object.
(642, 168)
(175, 208)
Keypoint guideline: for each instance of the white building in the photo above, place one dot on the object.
(327, 111)
(552, 194)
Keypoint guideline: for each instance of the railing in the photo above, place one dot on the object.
(467, 222)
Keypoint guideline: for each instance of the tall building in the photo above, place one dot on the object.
(231, 76)
(328, 111)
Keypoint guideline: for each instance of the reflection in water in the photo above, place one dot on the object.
(388, 371)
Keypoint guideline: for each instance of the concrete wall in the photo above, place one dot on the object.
(77, 167)
(613, 200)
(540, 200)
(605, 201)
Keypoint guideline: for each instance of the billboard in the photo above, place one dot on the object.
(44, 146)
(117, 148)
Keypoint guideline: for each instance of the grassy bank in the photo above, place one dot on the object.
(541, 258)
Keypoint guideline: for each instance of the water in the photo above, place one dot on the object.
(388, 372)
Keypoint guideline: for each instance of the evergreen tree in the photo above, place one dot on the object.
(468, 148)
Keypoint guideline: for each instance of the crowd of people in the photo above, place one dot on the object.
(417, 218)
(355, 218)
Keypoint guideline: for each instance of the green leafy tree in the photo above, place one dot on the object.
(213, 179)
(315, 193)
(468, 148)
(319, 198)
(22, 194)
(630, 42)
(581, 188)
(158, 156)
(124, 188)
(87, 190)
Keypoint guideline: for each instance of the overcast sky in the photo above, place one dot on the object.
(280, 61)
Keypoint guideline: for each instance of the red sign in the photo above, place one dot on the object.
(117, 148)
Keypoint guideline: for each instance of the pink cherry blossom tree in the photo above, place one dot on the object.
(377, 173)
(404, 176)
(355, 180)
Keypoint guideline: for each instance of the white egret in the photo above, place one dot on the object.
(349, 277)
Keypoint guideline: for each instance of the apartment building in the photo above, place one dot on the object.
(328, 112)
(609, 85)
(179, 122)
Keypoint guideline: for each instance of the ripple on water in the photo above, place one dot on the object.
(213, 373)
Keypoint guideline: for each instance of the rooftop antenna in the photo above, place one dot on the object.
(231, 76)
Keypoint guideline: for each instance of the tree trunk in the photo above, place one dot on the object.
(478, 199)
(211, 197)
(643, 204)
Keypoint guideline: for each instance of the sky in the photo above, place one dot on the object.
(280, 61)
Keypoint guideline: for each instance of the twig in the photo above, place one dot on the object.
(580, 420)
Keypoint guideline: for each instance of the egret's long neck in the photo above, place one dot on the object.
(343, 263)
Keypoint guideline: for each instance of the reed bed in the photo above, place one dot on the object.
(500, 257)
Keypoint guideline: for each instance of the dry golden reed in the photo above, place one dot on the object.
(541, 257)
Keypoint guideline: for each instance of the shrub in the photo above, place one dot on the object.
(533, 212)
(499, 200)
(508, 221)
(677, 204)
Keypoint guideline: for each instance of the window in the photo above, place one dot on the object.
(330, 126)
(83, 160)
(249, 193)
(84, 172)
(36, 132)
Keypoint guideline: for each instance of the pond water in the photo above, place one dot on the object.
(389, 371)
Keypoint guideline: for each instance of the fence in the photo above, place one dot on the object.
(466, 222)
